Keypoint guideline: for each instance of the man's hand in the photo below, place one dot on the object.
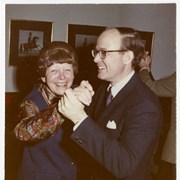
(84, 92)
(145, 61)
(71, 107)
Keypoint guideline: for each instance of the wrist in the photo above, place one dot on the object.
(144, 68)
(78, 124)
(80, 118)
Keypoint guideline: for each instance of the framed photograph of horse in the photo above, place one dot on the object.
(27, 38)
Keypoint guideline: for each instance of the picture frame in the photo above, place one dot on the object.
(27, 38)
(76, 33)
(83, 39)
(75, 30)
(148, 39)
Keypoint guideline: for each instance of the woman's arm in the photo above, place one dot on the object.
(37, 125)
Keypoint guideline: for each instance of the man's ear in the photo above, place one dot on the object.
(43, 79)
(129, 55)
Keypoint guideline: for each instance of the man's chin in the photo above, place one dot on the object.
(101, 77)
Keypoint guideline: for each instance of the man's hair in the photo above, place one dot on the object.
(131, 40)
(56, 52)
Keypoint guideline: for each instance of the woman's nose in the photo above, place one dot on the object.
(61, 75)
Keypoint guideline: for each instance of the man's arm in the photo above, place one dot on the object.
(165, 87)
(119, 155)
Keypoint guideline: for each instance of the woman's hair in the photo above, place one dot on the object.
(56, 52)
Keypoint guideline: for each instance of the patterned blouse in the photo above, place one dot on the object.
(34, 124)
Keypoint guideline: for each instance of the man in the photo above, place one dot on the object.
(165, 87)
(120, 137)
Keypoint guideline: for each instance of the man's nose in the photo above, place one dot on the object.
(97, 58)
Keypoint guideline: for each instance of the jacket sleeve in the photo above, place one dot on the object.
(164, 87)
(36, 125)
(121, 155)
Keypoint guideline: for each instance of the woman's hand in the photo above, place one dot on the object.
(71, 107)
(84, 93)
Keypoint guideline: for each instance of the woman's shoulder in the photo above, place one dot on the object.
(36, 96)
(36, 91)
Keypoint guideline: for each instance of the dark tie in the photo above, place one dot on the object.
(109, 97)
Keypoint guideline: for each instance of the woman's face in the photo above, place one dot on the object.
(59, 77)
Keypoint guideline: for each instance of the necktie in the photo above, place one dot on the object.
(109, 97)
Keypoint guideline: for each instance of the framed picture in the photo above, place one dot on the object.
(148, 39)
(27, 38)
(83, 39)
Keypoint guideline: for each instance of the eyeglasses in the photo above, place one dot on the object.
(102, 53)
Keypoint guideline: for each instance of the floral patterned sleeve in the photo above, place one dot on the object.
(37, 125)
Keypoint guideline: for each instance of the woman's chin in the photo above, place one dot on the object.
(59, 92)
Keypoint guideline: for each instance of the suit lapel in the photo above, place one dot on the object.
(117, 101)
(100, 101)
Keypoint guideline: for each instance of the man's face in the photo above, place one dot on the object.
(59, 77)
(112, 68)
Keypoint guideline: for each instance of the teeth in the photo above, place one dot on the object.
(61, 84)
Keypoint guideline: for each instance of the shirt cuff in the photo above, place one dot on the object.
(78, 124)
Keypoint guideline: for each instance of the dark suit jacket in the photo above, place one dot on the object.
(124, 152)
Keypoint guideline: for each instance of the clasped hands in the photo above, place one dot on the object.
(72, 103)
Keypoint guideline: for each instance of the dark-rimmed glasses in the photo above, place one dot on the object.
(102, 53)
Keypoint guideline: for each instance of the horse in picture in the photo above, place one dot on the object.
(26, 48)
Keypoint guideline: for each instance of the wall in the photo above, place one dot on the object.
(158, 18)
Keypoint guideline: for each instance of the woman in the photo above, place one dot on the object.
(39, 118)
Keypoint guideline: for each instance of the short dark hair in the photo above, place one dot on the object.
(56, 52)
(131, 40)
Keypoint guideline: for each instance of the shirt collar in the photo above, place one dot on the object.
(116, 88)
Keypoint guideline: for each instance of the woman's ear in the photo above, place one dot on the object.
(129, 55)
(43, 79)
